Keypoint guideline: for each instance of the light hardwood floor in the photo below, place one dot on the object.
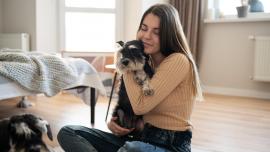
(221, 123)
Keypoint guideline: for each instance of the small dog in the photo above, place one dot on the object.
(131, 57)
(24, 133)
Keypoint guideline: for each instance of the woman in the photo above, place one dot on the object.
(167, 113)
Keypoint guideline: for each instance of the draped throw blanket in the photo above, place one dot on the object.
(38, 73)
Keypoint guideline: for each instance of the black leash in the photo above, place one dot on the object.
(110, 100)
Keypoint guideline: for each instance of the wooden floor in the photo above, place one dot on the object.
(221, 123)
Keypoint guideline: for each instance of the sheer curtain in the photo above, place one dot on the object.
(190, 12)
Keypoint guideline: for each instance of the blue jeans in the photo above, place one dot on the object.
(139, 146)
(83, 139)
(177, 141)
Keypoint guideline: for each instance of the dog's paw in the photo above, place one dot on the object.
(139, 81)
(148, 91)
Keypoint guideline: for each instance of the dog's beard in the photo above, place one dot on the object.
(131, 66)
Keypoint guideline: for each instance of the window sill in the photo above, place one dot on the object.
(76, 54)
(231, 20)
(254, 17)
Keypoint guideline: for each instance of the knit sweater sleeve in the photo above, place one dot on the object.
(170, 73)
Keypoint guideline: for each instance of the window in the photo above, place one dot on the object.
(225, 8)
(90, 25)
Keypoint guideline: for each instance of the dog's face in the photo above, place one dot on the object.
(130, 56)
(26, 133)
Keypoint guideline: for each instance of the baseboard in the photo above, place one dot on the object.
(236, 92)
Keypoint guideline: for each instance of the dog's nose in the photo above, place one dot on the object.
(125, 62)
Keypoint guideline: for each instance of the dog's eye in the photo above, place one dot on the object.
(136, 51)
(124, 53)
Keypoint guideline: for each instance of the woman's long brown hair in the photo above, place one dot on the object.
(173, 39)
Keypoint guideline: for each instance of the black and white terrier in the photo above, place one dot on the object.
(131, 57)
(23, 133)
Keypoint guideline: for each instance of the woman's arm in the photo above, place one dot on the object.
(171, 72)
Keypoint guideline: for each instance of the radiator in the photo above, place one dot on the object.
(14, 41)
(262, 59)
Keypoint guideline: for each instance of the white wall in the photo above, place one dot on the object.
(149, 3)
(133, 11)
(19, 16)
(1, 14)
(132, 15)
(36, 17)
(46, 26)
(227, 58)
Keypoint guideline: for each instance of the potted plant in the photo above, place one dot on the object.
(255, 6)
(242, 10)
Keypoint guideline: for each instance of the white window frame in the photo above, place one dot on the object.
(252, 17)
(119, 35)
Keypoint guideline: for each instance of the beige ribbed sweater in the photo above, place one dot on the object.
(171, 105)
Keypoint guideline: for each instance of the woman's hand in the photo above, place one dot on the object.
(116, 129)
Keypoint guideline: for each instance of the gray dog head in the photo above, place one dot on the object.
(131, 56)
(25, 133)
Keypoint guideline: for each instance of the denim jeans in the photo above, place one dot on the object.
(83, 139)
(139, 146)
(177, 141)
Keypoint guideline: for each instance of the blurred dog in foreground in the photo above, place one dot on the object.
(23, 133)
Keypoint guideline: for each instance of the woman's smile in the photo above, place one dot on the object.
(147, 45)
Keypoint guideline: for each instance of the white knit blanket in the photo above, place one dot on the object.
(39, 73)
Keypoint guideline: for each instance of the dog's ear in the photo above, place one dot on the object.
(140, 44)
(44, 127)
(49, 132)
(121, 43)
(40, 124)
(147, 57)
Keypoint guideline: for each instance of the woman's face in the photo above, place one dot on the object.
(149, 34)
